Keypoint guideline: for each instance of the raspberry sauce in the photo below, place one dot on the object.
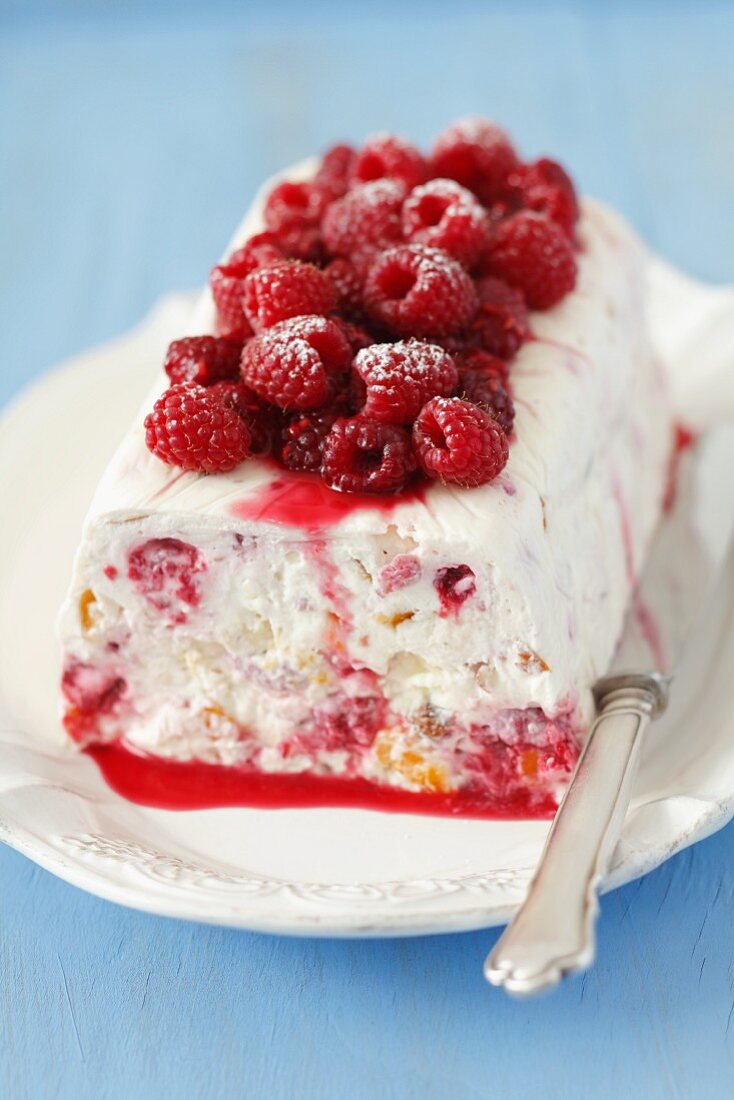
(303, 500)
(192, 785)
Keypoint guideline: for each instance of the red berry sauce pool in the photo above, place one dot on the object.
(303, 500)
(192, 785)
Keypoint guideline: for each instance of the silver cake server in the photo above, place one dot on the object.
(552, 934)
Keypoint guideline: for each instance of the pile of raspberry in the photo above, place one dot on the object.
(368, 333)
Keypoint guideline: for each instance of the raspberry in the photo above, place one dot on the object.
(357, 336)
(193, 428)
(402, 571)
(348, 285)
(500, 325)
(262, 420)
(227, 280)
(203, 359)
(293, 212)
(91, 690)
(356, 391)
(477, 154)
(534, 254)
(401, 377)
(385, 156)
(303, 438)
(457, 345)
(419, 291)
(365, 220)
(459, 442)
(455, 584)
(476, 359)
(488, 388)
(545, 187)
(444, 214)
(335, 170)
(366, 456)
(295, 364)
(287, 289)
(166, 572)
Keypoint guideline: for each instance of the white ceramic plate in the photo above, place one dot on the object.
(316, 872)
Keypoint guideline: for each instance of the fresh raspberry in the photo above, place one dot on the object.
(534, 254)
(287, 289)
(227, 280)
(401, 572)
(488, 388)
(385, 156)
(457, 345)
(304, 435)
(203, 359)
(335, 170)
(356, 391)
(262, 420)
(477, 154)
(455, 584)
(357, 336)
(458, 442)
(365, 220)
(366, 456)
(293, 212)
(193, 428)
(546, 187)
(500, 325)
(445, 215)
(296, 364)
(348, 285)
(419, 291)
(167, 573)
(477, 359)
(400, 378)
(90, 689)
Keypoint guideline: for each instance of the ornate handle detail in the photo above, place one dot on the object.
(553, 932)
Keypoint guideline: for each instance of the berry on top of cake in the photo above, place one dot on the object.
(386, 281)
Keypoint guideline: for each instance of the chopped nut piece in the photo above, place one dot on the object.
(429, 724)
(531, 663)
(395, 620)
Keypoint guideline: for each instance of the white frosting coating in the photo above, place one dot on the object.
(554, 544)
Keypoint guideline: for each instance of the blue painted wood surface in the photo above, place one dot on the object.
(131, 137)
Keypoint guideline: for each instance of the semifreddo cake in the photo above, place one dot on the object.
(383, 520)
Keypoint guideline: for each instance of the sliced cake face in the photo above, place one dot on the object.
(441, 637)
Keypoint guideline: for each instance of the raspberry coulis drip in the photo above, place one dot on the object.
(303, 500)
(683, 441)
(192, 785)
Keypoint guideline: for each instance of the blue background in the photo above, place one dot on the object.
(131, 138)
